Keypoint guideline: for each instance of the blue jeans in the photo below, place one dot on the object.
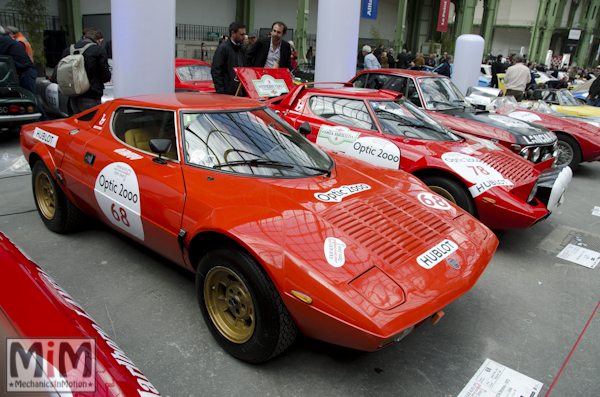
(593, 102)
(80, 104)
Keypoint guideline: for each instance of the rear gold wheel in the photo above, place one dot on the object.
(451, 190)
(444, 193)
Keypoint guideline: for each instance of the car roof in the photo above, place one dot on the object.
(182, 62)
(403, 72)
(362, 93)
(191, 100)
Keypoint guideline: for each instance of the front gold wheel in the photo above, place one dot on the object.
(229, 304)
(444, 193)
(45, 195)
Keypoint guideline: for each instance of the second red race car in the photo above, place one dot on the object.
(486, 179)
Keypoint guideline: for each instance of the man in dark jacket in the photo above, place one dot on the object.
(25, 69)
(444, 67)
(229, 54)
(96, 68)
(497, 67)
(402, 62)
(594, 94)
(271, 52)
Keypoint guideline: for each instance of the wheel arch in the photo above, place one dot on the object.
(204, 241)
(558, 133)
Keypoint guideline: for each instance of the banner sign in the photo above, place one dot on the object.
(572, 41)
(443, 17)
(369, 9)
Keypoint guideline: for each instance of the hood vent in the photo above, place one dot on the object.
(388, 224)
(513, 169)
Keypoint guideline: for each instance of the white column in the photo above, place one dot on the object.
(143, 46)
(468, 53)
(337, 40)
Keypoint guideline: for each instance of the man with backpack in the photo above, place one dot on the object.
(96, 70)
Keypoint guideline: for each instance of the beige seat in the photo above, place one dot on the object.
(140, 138)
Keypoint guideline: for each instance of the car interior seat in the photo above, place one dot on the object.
(140, 138)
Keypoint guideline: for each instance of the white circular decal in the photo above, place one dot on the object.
(334, 251)
(52, 96)
(434, 201)
(525, 116)
(480, 174)
(507, 121)
(118, 195)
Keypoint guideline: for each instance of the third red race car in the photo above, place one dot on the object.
(486, 179)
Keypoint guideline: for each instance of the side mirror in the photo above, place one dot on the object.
(305, 129)
(159, 146)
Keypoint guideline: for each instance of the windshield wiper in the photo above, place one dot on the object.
(441, 102)
(257, 162)
(322, 170)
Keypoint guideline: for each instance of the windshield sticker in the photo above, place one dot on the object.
(52, 97)
(336, 135)
(269, 86)
(118, 195)
(129, 154)
(435, 255)
(480, 174)
(376, 151)
(540, 138)
(339, 193)
(433, 200)
(525, 116)
(507, 121)
(334, 251)
(45, 137)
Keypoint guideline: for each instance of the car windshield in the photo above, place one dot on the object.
(567, 99)
(194, 73)
(253, 142)
(8, 76)
(402, 118)
(440, 93)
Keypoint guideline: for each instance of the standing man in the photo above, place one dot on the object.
(96, 68)
(25, 69)
(497, 67)
(251, 41)
(594, 95)
(517, 77)
(430, 61)
(229, 54)
(371, 62)
(271, 52)
(402, 61)
(419, 60)
(14, 32)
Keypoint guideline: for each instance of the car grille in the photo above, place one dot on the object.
(391, 226)
(513, 169)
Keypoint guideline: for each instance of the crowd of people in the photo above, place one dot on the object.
(385, 58)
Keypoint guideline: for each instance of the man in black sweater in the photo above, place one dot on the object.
(271, 52)
(229, 54)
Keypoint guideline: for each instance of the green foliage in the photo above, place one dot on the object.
(32, 23)
(376, 36)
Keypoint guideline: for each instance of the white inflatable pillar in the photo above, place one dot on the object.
(337, 39)
(143, 46)
(468, 53)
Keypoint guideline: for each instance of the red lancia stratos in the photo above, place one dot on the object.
(445, 103)
(50, 345)
(486, 179)
(282, 235)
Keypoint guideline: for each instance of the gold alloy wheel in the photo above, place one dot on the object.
(44, 195)
(229, 304)
(444, 193)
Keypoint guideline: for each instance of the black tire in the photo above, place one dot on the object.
(452, 191)
(569, 152)
(58, 213)
(242, 307)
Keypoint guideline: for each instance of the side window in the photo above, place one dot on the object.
(349, 112)
(412, 94)
(361, 81)
(137, 126)
(386, 82)
(194, 73)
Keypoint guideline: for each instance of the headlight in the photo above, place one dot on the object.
(524, 153)
(535, 155)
